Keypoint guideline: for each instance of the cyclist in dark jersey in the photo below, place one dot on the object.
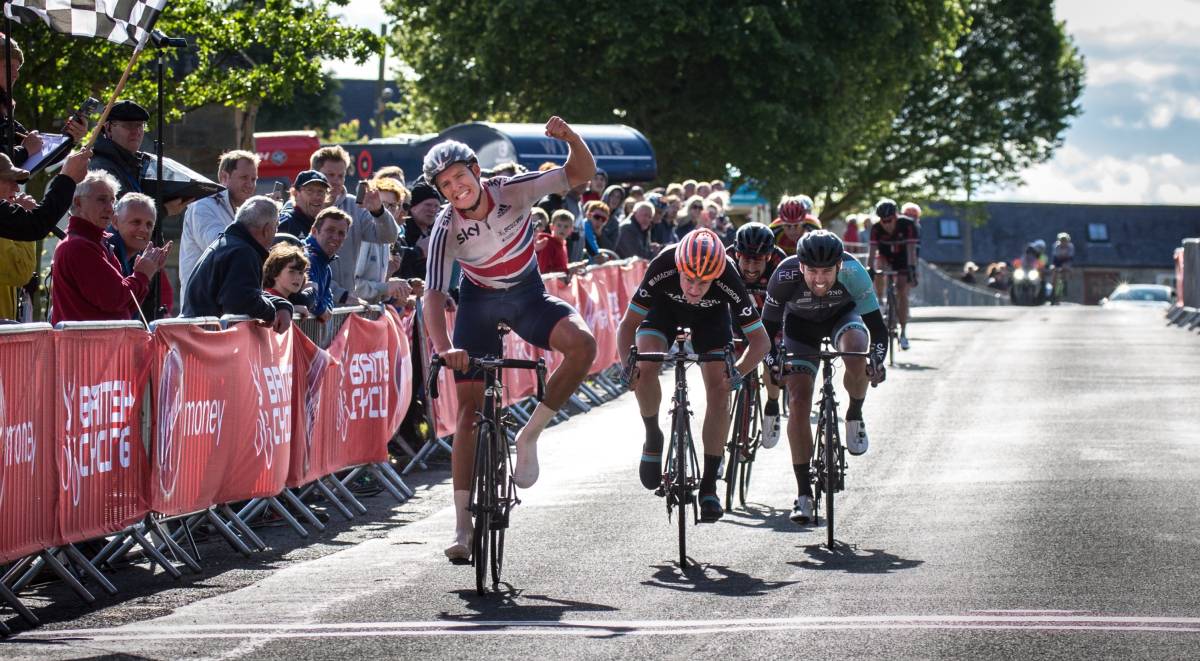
(757, 256)
(692, 284)
(823, 291)
(893, 247)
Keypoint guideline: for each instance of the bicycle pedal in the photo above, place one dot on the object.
(660, 492)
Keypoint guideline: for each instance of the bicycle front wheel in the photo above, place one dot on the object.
(483, 501)
(829, 422)
(737, 441)
(504, 499)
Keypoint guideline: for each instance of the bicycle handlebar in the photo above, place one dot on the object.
(675, 358)
(436, 363)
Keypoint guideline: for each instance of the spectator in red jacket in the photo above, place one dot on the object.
(128, 236)
(88, 282)
(552, 248)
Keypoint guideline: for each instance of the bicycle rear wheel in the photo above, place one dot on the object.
(754, 432)
(829, 421)
(483, 501)
(892, 322)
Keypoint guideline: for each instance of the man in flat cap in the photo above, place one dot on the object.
(310, 196)
(117, 151)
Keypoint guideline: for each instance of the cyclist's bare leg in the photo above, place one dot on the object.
(855, 378)
(799, 431)
(716, 411)
(644, 383)
(880, 285)
(575, 342)
(648, 391)
(462, 464)
(716, 422)
(772, 389)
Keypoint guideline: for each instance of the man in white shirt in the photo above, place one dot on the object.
(205, 219)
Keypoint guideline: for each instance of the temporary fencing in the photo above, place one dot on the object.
(235, 411)
(936, 287)
(1186, 309)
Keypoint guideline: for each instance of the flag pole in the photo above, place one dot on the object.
(117, 92)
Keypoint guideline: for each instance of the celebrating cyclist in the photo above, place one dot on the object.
(692, 284)
(795, 218)
(824, 292)
(487, 229)
(756, 257)
(893, 247)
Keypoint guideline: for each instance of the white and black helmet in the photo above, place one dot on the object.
(443, 155)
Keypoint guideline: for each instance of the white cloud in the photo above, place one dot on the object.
(1122, 23)
(1128, 70)
(1077, 176)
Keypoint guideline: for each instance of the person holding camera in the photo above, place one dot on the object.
(26, 142)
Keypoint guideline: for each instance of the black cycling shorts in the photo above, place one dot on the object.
(712, 329)
(803, 337)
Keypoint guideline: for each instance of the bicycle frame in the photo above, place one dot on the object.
(493, 494)
(745, 437)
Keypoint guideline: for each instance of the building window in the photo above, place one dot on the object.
(948, 229)
(1098, 232)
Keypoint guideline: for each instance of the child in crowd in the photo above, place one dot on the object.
(552, 248)
(284, 275)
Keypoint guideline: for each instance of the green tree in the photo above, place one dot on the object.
(997, 103)
(243, 53)
(782, 90)
(316, 109)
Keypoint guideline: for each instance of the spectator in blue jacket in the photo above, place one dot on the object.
(328, 234)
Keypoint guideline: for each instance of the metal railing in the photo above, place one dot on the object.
(936, 287)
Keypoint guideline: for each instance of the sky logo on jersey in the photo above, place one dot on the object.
(466, 233)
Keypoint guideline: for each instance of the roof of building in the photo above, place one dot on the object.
(1138, 236)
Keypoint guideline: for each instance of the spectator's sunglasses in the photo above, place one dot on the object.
(599, 216)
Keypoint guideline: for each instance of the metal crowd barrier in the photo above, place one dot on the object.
(936, 287)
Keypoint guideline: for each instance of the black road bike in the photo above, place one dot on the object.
(829, 453)
(681, 478)
(493, 494)
(744, 439)
(891, 314)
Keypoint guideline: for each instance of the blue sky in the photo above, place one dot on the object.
(1138, 138)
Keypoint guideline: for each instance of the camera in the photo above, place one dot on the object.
(87, 109)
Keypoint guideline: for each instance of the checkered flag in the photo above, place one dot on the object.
(126, 22)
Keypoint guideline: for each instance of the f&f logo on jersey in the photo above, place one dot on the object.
(466, 233)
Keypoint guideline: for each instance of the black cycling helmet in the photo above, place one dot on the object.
(754, 240)
(443, 155)
(820, 248)
(886, 207)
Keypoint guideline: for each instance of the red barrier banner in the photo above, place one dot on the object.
(367, 349)
(223, 426)
(597, 305)
(445, 407)
(99, 384)
(27, 478)
(400, 329)
(320, 419)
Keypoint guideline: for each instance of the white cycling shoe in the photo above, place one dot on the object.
(802, 511)
(856, 437)
(770, 431)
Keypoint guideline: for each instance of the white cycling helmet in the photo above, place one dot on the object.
(443, 155)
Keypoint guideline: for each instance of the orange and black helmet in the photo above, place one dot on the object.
(700, 255)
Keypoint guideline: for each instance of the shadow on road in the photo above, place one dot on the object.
(516, 605)
(758, 515)
(852, 560)
(912, 367)
(711, 579)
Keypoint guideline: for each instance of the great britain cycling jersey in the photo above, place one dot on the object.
(893, 246)
(497, 252)
(661, 300)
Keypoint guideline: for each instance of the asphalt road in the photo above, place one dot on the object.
(1031, 491)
